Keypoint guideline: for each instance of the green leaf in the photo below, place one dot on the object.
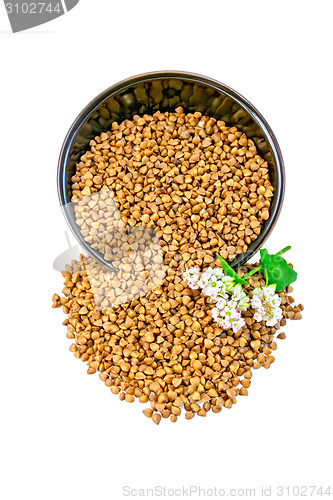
(230, 272)
(277, 270)
(263, 255)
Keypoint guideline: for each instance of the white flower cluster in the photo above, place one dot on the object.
(213, 282)
(229, 297)
(228, 313)
(266, 304)
(231, 300)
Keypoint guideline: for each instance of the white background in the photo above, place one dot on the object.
(63, 435)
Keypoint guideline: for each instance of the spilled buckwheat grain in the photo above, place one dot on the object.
(163, 348)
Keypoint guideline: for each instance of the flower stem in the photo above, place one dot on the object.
(284, 250)
(255, 270)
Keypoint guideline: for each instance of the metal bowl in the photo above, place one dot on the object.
(165, 90)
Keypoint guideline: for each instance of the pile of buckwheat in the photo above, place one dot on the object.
(166, 192)
(164, 348)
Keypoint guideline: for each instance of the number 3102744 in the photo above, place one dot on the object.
(33, 8)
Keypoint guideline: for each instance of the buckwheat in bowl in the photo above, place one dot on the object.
(191, 143)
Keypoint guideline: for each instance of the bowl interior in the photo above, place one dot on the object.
(165, 91)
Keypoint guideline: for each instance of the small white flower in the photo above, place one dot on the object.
(257, 317)
(191, 275)
(208, 272)
(269, 291)
(204, 280)
(255, 302)
(186, 274)
(223, 294)
(229, 282)
(238, 325)
(236, 291)
(244, 303)
(219, 273)
(211, 290)
(276, 300)
(266, 305)
(215, 313)
(221, 303)
(225, 323)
